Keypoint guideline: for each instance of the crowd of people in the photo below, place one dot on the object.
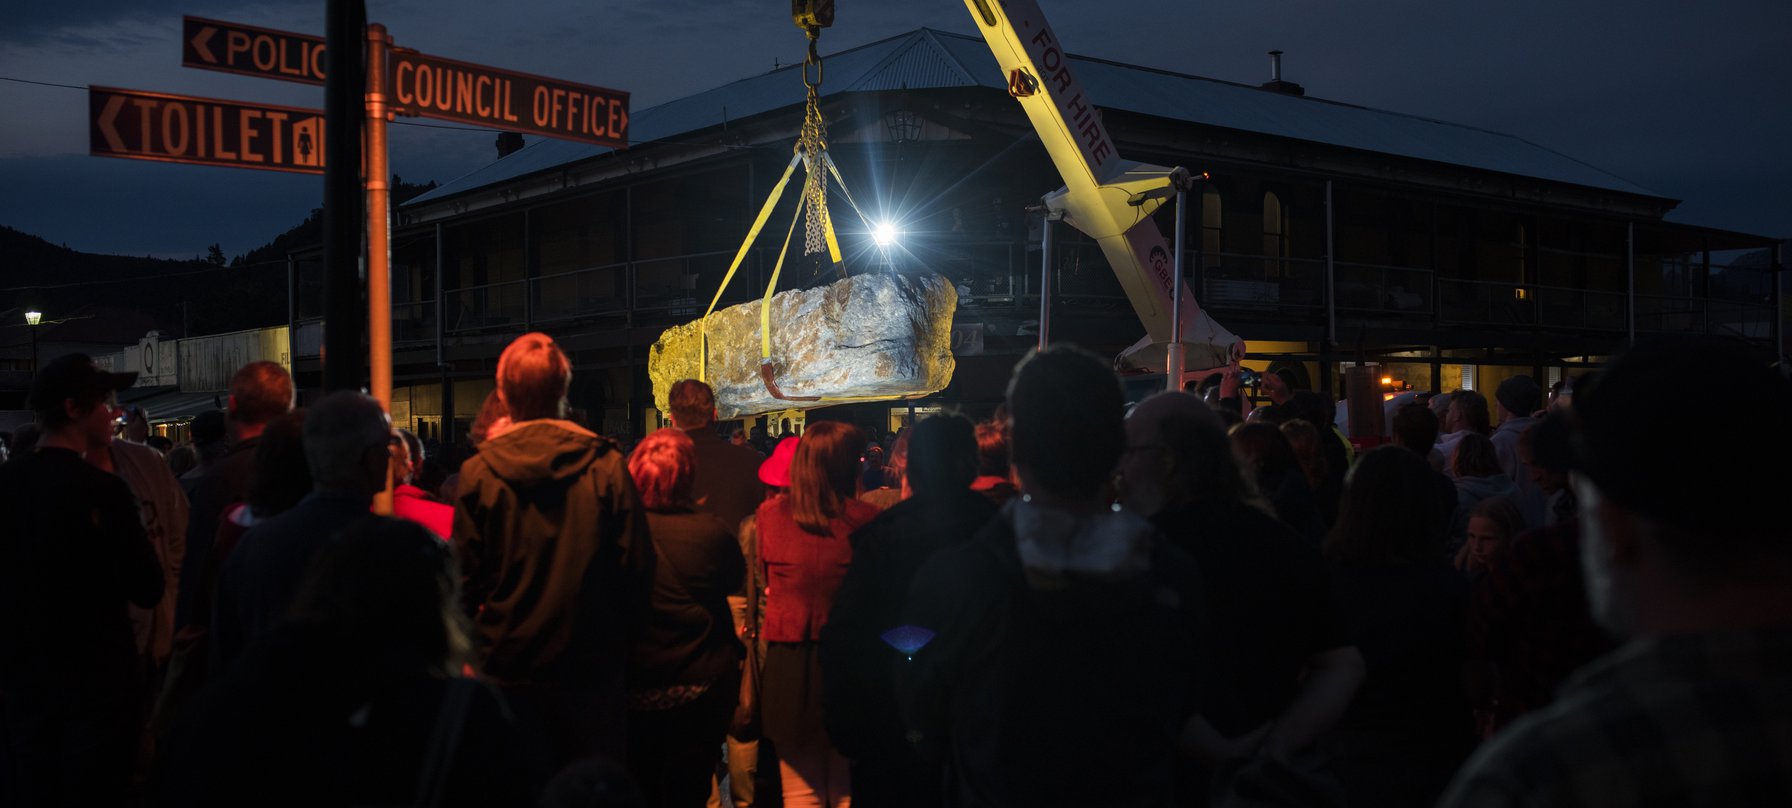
(1183, 601)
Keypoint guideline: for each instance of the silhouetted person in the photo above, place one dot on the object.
(75, 556)
(347, 447)
(684, 667)
(280, 479)
(1516, 399)
(727, 482)
(259, 393)
(1694, 567)
(1409, 726)
(1061, 651)
(1475, 465)
(1269, 458)
(1281, 656)
(555, 559)
(994, 474)
(858, 664)
(356, 697)
(410, 502)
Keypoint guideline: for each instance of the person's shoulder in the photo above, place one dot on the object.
(859, 512)
(1553, 756)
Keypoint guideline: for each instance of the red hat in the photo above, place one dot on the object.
(775, 471)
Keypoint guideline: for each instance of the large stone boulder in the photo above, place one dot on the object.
(868, 337)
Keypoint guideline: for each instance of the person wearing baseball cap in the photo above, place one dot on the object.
(1686, 555)
(73, 554)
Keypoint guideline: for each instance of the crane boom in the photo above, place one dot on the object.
(1106, 197)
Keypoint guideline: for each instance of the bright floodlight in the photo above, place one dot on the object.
(885, 234)
(33, 317)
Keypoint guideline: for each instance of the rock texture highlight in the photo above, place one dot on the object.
(869, 337)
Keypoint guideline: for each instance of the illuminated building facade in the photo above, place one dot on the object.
(1448, 255)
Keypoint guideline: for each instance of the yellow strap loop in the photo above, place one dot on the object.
(765, 213)
(765, 303)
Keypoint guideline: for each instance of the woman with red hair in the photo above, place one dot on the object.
(804, 550)
(685, 662)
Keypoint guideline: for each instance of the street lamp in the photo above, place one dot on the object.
(32, 318)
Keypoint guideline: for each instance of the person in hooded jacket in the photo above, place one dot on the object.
(858, 657)
(556, 563)
(1475, 466)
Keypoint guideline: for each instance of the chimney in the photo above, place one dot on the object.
(1275, 83)
(509, 143)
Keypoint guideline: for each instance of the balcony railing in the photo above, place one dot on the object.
(994, 273)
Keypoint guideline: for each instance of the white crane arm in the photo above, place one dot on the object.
(1104, 196)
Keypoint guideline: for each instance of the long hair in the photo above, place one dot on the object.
(1207, 467)
(824, 474)
(1474, 456)
(1391, 511)
(1470, 409)
(1304, 439)
(1265, 451)
(663, 466)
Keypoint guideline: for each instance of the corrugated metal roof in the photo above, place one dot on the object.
(928, 59)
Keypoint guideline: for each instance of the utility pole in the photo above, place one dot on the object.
(344, 222)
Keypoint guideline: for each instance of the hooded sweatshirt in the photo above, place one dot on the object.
(555, 558)
(1470, 491)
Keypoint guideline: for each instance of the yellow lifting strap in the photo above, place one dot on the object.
(765, 303)
(765, 212)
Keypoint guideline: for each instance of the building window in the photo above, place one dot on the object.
(1275, 233)
(1212, 219)
(1520, 292)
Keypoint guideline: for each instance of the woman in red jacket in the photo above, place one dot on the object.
(804, 551)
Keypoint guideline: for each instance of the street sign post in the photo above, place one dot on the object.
(450, 90)
(157, 126)
(235, 48)
(140, 125)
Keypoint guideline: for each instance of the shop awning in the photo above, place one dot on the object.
(168, 405)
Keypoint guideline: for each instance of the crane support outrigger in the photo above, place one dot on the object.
(1108, 198)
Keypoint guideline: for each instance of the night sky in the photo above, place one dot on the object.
(1690, 100)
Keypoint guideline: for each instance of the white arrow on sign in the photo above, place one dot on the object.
(108, 118)
(201, 44)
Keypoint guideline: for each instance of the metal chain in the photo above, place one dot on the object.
(812, 142)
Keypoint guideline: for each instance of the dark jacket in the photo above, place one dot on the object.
(858, 666)
(689, 635)
(1268, 593)
(727, 477)
(223, 483)
(555, 558)
(263, 573)
(1049, 696)
(73, 553)
(305, 718)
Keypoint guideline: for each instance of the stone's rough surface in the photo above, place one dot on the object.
(872, 336)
